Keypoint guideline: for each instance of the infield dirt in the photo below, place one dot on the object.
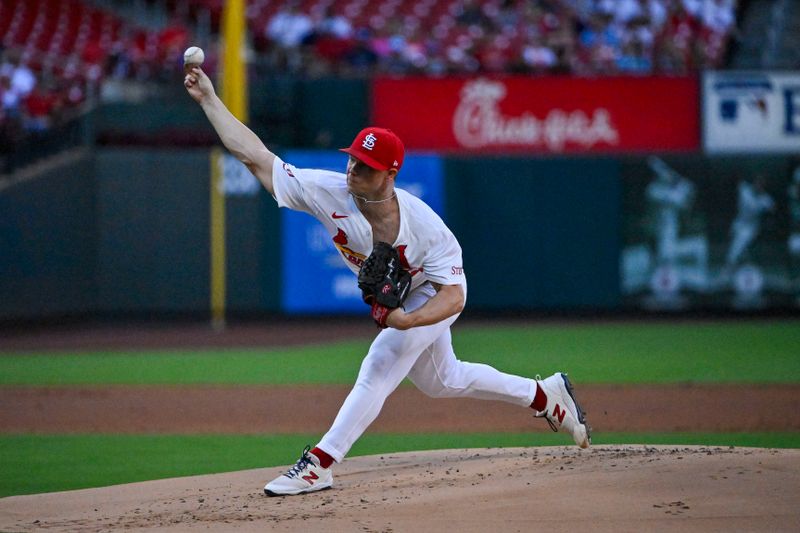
(619, 488)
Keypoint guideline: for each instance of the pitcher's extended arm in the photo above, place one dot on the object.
(237, 138)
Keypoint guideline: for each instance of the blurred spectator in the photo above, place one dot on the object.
(718, 23)
(10, 99)
(623, 11)
(385, 40)
(470, 13)
(634, 59)
(601, 42)
(361, 58)
(461, 56)
(718, 15)
(656, 13)
(537, 56)
(679, 36)
(21, 77)
(94, 48)
(171, 42)
(93, 53)
(289, 27)
(508, 14)
(173, 36)
(579, 37)
(40, 108)
(494, 54)
(75, 91)
(119, 63)
(333, 25)
(694, 7)
(414, 52)
(437, 62)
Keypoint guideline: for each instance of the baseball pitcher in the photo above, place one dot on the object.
(409, 269)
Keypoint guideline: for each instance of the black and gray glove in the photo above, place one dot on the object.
(384, 283)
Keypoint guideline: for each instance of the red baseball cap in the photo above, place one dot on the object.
(379, 148)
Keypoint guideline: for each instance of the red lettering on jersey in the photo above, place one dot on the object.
(340, 240)
(401, 251)
(341, 237)
(350, 256)
(457, 271)
(287, 169)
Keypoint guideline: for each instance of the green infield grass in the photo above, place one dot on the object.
(47, 463)
(724, 352)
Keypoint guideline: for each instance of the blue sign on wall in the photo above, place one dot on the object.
(315, 279)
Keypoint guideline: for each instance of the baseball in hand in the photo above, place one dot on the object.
(193, 56)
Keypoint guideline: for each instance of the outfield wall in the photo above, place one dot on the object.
(567, 195)
(127, 232)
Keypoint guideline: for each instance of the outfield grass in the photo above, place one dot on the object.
(729, 352)
(47, 463)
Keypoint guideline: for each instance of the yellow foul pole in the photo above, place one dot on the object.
(234, 71)
(233, 91)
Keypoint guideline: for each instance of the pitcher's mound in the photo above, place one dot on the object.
(608, 488)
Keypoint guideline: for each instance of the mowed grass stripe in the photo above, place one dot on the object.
(47, 463)
(726, 352)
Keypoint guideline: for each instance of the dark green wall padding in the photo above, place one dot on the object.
(126, 232)
(537, 233)
(47, 242)
(152, 246)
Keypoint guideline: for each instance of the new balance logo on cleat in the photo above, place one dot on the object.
(559, 413)
(307, 475)
(563, 411)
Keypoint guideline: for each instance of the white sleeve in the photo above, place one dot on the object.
(294, 188)
(443, 263)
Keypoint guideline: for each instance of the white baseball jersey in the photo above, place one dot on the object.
(427, 247)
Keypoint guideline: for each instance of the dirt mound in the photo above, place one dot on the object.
(608, 488)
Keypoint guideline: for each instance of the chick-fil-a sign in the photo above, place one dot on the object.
(541, 115)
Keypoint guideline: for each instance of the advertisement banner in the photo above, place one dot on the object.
(751, 112)
(711, 233)
(315, 279)
(541, 115)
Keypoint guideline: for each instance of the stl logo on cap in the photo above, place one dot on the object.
(369, 141)
(378, 148)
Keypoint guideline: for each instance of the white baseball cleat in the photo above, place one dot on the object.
(305, 476)
(562, 409)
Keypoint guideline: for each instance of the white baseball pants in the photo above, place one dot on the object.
(424, 354)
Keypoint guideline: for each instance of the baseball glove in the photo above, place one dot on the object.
(384, 283)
